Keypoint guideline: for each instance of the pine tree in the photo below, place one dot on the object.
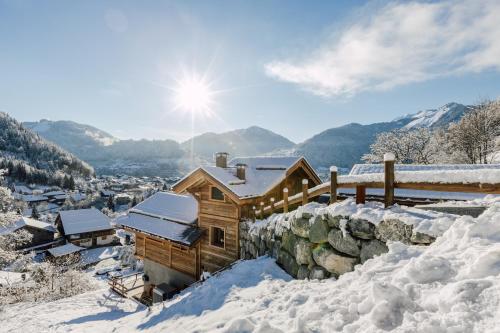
(34, 213)
(111, 203)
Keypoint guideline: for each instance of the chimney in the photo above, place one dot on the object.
(221, 160)
(240, 171)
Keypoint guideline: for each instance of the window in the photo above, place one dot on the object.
(216, 194)
(217, 237)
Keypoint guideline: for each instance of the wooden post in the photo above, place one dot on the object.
(305, 186)
(333, 184)
(272, 205)
(389, 179)
(360, 194)
(261, 210)
(254, 213)
(285, 200)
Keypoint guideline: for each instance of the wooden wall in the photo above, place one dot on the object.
(166, 253)
(223, 214)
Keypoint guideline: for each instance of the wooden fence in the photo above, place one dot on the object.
(361, 183)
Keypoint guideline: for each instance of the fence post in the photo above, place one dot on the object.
(333, 184)
(285, 200)
(305, 187)
(272, 205)
(389, 179)
(261, 210)
(360, 194)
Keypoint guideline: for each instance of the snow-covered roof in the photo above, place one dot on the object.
(34, 198)
(176, 232)
(65, 249)
(54, 193)
(84, 220)
(78, 196)
(261, 174)
(22, 189)
(108, 193)
(361, 169)
(170, 206)
(26, 221)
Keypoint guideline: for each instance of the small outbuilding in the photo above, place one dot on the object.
(42, 232)
(85, 227)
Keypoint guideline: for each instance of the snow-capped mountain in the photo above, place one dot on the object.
(442, 116)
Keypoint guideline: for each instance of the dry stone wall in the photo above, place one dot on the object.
(319, 246)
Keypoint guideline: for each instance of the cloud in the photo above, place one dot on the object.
(398, 44)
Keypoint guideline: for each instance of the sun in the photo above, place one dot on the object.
(193, 94)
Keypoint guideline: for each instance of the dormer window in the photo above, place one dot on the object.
(216, 194)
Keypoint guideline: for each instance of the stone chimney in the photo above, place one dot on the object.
(240, 171)
(221, 160)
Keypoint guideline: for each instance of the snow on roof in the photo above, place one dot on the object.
(22, 189)
(54, 193)
(9, 278)
(177, 232)
(445, 174)
(84, 220)
(261, 174)
(78, 196)
(108, 192)
(65, 249)
(170, 206)
(34, 198)
(26, 221)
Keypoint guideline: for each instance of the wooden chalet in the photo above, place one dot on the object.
(85, 227)
(196, 229)
(42, 232)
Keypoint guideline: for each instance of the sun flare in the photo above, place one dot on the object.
(193, 94)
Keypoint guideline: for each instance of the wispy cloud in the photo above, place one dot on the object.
(398, 44)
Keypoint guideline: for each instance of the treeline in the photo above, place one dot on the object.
(475, 139)
(30, 158)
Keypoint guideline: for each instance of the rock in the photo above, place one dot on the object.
(334, 262)
(394, 230)
(372, 248)
(345, 244)
(262, 247)
(288, 241)
(276, 249)
(288, 263)
(300, 227)
(303, 272)
(334, 221)
(421, 238)
(318, 231)
(361, 228)
(303, 252)
(318, 273)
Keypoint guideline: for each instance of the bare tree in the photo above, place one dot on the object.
(408, 146)
(474, 136)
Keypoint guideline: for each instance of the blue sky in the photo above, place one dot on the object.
(295, 67)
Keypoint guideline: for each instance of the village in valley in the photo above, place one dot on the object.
(178, 222)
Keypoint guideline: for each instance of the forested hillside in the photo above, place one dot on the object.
(28, 157)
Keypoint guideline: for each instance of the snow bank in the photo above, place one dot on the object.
(453, 285)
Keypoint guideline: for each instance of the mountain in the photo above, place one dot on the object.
(31, 158)
(110, 155)
(250, 141)
(343, 146)
(443, 116)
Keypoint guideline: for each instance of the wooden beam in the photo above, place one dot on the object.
(305, 186)
(261, 210)
(389, 179)
(272, 205)
(333, 184)
(360, 194)
(285, 200)
(254, 215)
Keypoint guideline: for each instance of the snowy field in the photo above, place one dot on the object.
(451, 286)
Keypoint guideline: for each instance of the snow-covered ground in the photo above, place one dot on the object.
(451, 286)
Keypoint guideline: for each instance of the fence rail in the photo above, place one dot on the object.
(387, 181)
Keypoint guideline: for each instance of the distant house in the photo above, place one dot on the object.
(85, 227)
(22, 189)
(42, 232)
(34, 200)
(196, 228)
(107, 193)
